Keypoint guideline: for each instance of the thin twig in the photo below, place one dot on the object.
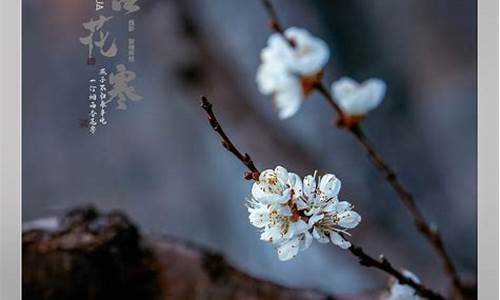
(226, 142)
(364, 259)
(274, 22)
(384, 265)
(422, 225)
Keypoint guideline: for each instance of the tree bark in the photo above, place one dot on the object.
(89, 255)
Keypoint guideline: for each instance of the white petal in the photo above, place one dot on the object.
(411, 276)
(281, 173)
(289, 99)
(329, 185)
(376, 89)
(288, 249)
(299, 226)
(282, 210)
(272, 234)
(355, 99)
(295, 183)
(342, 206)
(265, 79)
(315, 218)
(330, 207)
(278, 49)
(260, 194)
(338, 240)
(301, 205)
(259, 217)
(305, 240)
(404, 292)
(309, 185)
(349, 219)
(320, 236)
(272, 77)
(344, 87)
(310, 54)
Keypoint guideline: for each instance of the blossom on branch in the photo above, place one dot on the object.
(290, 68)
(291, 212)
(356, 99)
(328, 216)
(404, 292)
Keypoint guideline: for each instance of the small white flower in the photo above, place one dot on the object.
(329, 217)
(290, 213)
(290, 248)
(276, 186)
(286, 72)
(280, 227)
(310, 54)
(286, 88)
(402, 291)
(358, 99)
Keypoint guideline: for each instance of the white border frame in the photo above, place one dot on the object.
(487, 137)
(10, 149)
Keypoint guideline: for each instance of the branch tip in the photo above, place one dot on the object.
(225, 141)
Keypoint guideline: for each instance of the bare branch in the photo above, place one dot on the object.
(274, 23)
(384, 265)
(226, 142)
(365, 259)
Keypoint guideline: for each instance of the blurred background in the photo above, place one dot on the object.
(160, 162)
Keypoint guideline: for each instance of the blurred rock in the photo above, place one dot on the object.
(103, 256)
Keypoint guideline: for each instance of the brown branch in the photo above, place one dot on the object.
(384, 265)
(226, 142)
(88, 254)
(320, 87)
(274, 23)
(365, 259)
(432, 235)
(422, 225)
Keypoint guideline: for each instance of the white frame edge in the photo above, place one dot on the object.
(10, 149)
(488, 164)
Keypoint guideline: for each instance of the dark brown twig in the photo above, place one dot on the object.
(274, 22)
(422, 225)
(384, 265)
(226, 142)
(364, 259)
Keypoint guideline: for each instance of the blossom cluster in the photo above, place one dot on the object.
(292, 64)
(291, 212)
(286, 71)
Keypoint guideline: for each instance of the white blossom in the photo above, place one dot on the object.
(328, 217)
(404, 292)
(357, 99)
(270, 209)
(284, 68)
(276, 186)
(291, 212)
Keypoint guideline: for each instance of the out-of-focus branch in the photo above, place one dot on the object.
(92, 255)
(226, 142)
(365, 259)
(421, 223)
(384, 265)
